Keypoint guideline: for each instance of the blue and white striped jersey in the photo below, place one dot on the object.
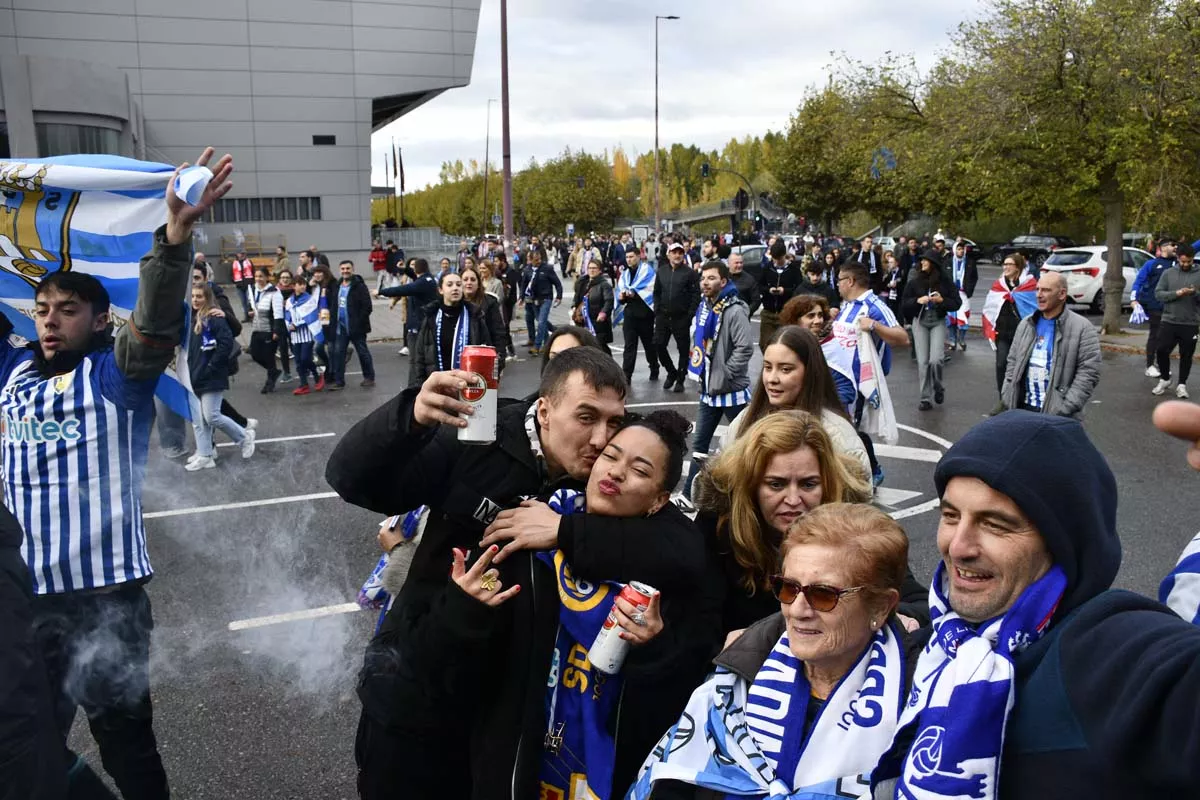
(871, 305)
(74, 459)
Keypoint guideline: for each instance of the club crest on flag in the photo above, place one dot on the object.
(35, 223)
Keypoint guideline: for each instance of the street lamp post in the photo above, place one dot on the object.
(657, 204)
(506, 142)
(487, 172)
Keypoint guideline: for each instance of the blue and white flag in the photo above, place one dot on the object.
(303, 314)
(749, 740)
(88, 213)
(641, 284)
(1180, 590)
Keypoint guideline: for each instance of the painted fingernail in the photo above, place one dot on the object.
(495, 547)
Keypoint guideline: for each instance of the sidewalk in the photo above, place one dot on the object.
(1130, 340)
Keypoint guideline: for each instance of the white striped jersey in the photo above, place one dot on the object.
(74, 459)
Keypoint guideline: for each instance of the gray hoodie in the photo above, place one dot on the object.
(1179, 310)
(729, 367)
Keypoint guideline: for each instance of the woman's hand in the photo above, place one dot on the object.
(909, 624)
(601, 317)
(216, 312)
(639, 628)
(481, 581)
(935, 297)
(532, 526)
(922, 300)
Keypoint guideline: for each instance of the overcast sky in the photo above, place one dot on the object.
(581, 73)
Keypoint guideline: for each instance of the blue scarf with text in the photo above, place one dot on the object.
(705, 329)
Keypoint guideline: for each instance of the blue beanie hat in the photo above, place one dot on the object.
(1049, 467)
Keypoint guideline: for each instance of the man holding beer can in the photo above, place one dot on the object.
(458, 667)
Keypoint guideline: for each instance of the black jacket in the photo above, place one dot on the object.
(445, 668)
(635, 306)
(747, 287)
(1008, 318)
(543, 285)
(922, 284)
(493, 320)
(33, 757)
(789, 278)
(209, 369)
(822, 289)
(421, 291)
(425, 353)
(358, 307)
(676, 292)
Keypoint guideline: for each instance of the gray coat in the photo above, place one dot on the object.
(729, 367)
(1074, 373)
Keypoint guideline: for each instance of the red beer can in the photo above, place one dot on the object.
(481, 391)
(607, 653)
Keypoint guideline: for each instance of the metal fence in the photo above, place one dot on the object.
(411, 238)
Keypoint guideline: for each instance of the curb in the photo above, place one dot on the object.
(1134, 350)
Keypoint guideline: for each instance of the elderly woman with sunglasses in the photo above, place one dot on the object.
(773, 475)
(806, 701)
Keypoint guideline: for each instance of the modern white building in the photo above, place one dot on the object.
(292, 88)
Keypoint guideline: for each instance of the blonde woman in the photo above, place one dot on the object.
(491, 284)
(771, 476)
(575, 264)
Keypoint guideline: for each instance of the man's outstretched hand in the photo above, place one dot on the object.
(1181, 420)
(181, 216)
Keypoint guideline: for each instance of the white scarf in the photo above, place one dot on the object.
(752, 743)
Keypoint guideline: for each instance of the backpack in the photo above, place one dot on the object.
(233, 359)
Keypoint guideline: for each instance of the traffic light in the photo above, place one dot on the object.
(705, 171)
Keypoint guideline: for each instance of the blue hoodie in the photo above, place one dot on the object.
(1108, 701)
(1147, 280)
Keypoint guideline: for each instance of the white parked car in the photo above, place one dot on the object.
(1084, 269)
(886, 242)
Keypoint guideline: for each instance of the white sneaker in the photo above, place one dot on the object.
(248, 443)
(403, 351)
(251, 424)
(1161, 386)
(204, 462)
(1181, 391)
(1152, 372)
(197, 457)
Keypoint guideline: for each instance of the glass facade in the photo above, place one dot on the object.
(61, 139)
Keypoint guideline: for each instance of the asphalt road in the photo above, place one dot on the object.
(269, 711)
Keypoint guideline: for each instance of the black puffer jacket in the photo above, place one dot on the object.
(425, 354)
(446, 669)
(921, 284)
(676, 292)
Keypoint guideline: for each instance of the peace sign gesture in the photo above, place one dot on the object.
(481, 581)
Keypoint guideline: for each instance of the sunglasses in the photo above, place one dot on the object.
(819, 596)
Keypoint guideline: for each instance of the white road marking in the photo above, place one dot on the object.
(903, 513)
(927, 435)
(269, 501)
(908, 453)
(294, 616)
(282, 439)
(893, 497)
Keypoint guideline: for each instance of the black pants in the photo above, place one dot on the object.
(97, 652)
(508, 308)
(868, 445)
(285, 354)
(639, 329)
(262, 350)
(1003, 345)
(228, 410)
(1152, 336)
(1169, 335)
(666, 329)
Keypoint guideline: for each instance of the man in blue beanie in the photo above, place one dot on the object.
(1038, 680)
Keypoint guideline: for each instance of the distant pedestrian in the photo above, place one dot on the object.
(1177, 291)
(1054, 364)
(1007, 319)
(353, 324)
(209, 348)
(722, 347)
(267, 326)
(929, 299)
(420, 292)
(635, 309)
(747, 284)
(594, 304)
(543, 290)
(965, 276)
(303, 315)
(1142, 296)
(243, 276)
(676, 298)
(780, 279)
(489, 308)
(449, 325)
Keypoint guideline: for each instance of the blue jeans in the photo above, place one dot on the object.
(544, 327)
(172, 430)
(531, 323)
(207, 417)
(707, 419)
(243, 292)
(341, 346)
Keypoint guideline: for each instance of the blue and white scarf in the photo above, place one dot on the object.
(579, 752)
(642, 284)
(962, 317)
(705, 328)
(372, 594)
(462, 333)
(963, 692)
(753, 742)
(1180, 590)
(587, 317)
